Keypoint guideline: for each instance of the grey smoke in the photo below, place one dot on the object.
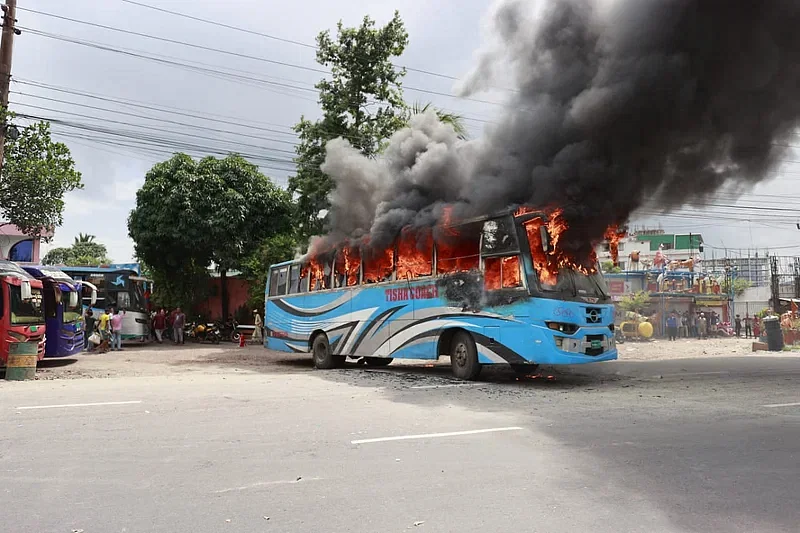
(617, 104)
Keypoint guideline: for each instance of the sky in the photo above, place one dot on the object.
(120, 113)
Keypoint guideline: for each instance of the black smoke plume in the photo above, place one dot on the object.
(616, 105)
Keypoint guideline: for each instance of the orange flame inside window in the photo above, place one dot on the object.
(378, 265)
(348, 264)
(414, 254)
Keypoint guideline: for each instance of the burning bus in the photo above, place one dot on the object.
(491, 290)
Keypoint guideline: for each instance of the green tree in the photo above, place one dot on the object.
(739, 286)
(453, 119)
(278, 248)
(192, 214)
(362, 102)
(636, 302)
(83, 252)
(84, 238)
(36, 175)
(609, 268)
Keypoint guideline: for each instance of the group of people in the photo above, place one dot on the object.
(169, 325)
(103, 333)
(699, 325)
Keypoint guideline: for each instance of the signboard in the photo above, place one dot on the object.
(116, 282)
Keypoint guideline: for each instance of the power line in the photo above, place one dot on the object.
(238, 54)
(268, 36)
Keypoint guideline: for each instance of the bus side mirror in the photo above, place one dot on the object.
(94, 296)
(73, 298)
(25, 290)
(545, 236)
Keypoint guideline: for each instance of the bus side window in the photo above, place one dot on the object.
(319, 276)
(378, 265)
(294, 279)
(458, 248)
(273, 282)
(346, 268)
(414, 254)
(283, 278)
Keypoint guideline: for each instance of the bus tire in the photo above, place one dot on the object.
(321, 352)
(464, 357)
(378, 361)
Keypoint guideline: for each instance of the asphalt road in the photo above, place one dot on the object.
(672, 446)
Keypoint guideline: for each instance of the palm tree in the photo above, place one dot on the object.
(84, 238)
(453, 119)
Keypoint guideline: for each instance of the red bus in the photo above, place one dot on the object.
(21, 310)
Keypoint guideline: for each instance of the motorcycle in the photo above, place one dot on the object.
(204, 332)
(229, 330)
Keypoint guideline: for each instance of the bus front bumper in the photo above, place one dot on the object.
(587, 346)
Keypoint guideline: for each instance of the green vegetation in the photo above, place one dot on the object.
(192, 214)
(636, 302)
(83, 252)
(36, 175)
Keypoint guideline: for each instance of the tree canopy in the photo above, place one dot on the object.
(85, 251)
(192, 214)
(36, 175)
(362, 102)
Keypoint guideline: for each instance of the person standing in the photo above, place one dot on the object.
(88, 327)
(702, 326)
(672, 327)
(737, 325)
(177, 326)
(258, 333)
(159, 325)
(748, 326)
(116, 330)
(104, 328)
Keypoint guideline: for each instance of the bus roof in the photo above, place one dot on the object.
(8, 268)
(94, 270)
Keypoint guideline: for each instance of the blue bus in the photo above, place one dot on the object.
(121, 288)
(63, 311)
(483, 291)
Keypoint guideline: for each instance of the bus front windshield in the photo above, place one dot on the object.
(72, 313)
(24, 312)
(574, 281)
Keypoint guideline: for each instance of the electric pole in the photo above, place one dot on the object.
(6, 49)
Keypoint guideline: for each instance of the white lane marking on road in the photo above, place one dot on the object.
(442, 386)
(76, 405)
(268, 483)
(686, 374)
(793, 404)
(436, 435)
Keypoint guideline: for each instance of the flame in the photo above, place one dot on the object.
(548, 264)
(348, 264)
(378, 265)
(501, 273)
(414, 254)
(316, 272)
(613, 235)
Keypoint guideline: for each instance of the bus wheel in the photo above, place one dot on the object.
(323, 358)
(378, 361)
(464, 357)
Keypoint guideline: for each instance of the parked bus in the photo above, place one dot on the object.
(21, 311)
(63, 309)
(119, 288)
(480, 291)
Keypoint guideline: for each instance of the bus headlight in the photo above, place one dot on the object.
(563, 327)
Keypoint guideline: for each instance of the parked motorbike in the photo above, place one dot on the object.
(204, 333)
(230, 330)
